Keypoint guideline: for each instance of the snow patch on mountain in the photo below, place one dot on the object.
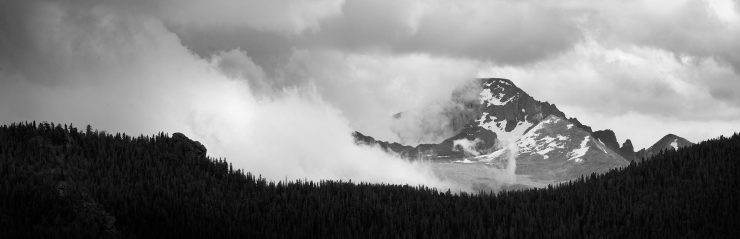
(490, 157)
(487, 97)
(601, 146)
(577, 154)
(674, 144)
(497, 126)
(534, 142)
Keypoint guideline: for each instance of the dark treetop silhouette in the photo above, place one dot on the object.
(59, 182)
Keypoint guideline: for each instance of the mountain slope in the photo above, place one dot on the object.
(555, 149)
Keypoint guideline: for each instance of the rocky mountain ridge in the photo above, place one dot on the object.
(501, 116)
(501, 120)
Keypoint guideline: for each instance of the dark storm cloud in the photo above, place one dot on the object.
(270, 50)
(500, 31)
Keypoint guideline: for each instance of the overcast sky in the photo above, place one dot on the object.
(253, 73)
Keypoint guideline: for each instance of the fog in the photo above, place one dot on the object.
(129, 74)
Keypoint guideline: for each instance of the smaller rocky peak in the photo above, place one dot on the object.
(608, 138)
(627, 145)
(628, 150)
(670, 141)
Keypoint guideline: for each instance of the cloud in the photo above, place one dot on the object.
(596, 81)
(701, 28)
(438, 120)
(500, 31)
(503, 31)
(369, 24)
(691, 43)
(469, 147)
(130, 74)
(287, 16)
(236, 64)
(370, 88)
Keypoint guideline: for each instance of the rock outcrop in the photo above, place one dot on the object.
(196, 148)
(628, 151)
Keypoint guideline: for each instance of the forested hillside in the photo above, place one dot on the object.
(60, 182)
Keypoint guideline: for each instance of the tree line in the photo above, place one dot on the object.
(60, 182)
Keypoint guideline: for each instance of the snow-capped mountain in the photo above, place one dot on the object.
(668, 142)
(549, 145)
(509, 112)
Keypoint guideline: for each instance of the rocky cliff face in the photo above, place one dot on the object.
(609, 138)
(555, 149)
(628, 151)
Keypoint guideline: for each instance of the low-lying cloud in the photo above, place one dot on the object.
(370, 88)
(130, 74)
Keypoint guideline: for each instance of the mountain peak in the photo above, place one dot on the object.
(497, 80)
(670, 136)
(498, 92)
(668, 142)
(500, 83)
(505, 107)
(673, 138)
(674, 141)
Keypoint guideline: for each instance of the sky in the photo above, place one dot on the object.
(250, 78)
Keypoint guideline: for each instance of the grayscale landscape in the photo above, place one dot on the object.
(369, 119)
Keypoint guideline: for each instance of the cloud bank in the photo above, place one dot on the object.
(130, 74)
(676, 47)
